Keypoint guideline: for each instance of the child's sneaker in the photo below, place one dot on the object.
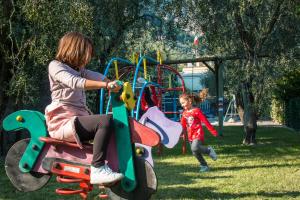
(245, 142)
(104, 175)
(204, 168)
(212, 153)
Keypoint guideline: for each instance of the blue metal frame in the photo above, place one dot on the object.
(146, 83)
(136, 74)
(137, 70)
(102, 91)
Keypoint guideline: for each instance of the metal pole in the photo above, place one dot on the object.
(220, 68)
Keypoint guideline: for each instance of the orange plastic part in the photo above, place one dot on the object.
(143, 134)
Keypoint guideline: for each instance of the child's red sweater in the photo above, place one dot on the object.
(192, 121)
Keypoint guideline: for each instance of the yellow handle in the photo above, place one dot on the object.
(145, 69)
(116, 69)
(136, 58)
(159, 57)
(127, 96)
(133, 58)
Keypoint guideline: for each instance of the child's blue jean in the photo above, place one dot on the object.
(198, 149)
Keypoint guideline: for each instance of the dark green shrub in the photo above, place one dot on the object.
(287, 91)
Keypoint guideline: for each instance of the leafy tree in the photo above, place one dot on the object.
(288, 86)
(247, 29)
(29, 39)
(29, 32)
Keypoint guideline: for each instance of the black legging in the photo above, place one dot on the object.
(98, 128)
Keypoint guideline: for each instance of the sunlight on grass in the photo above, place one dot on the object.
(269, 170)
(265, 171)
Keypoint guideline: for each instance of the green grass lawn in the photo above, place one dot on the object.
(269, 170)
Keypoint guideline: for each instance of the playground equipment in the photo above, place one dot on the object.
(161, 85)
(169, 130)
(102, 91)
(231, 114)
(31, 162)
(161, 71)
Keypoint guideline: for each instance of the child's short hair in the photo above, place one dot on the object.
(74, 49)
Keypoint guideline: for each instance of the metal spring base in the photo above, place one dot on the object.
(85, 187)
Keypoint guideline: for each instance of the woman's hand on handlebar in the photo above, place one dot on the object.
(113, 86)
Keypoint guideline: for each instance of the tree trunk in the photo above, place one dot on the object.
(240, 106)
(246, 110)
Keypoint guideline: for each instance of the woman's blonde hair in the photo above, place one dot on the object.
(75, 50)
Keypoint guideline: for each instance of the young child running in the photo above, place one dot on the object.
(191, 121)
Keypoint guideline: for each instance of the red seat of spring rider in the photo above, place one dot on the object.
(140, 134)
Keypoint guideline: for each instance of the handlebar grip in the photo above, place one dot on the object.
(120, 83)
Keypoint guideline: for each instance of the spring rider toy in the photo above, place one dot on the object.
(31, 162)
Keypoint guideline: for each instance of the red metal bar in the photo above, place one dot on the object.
(172, 112)
(172, 89)
(184, 138)
(62, 142)
(60, 179)
(175, 72)
(71, 170)
(102, 194)
(85, 187)
(159, 97)
(68, 191)
(124, 71)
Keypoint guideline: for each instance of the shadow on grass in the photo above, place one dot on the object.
(183, 175)
(209, 193)
(189, 176)
(9, 192)
(181, 181)
(271, 143)
(255, 167)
